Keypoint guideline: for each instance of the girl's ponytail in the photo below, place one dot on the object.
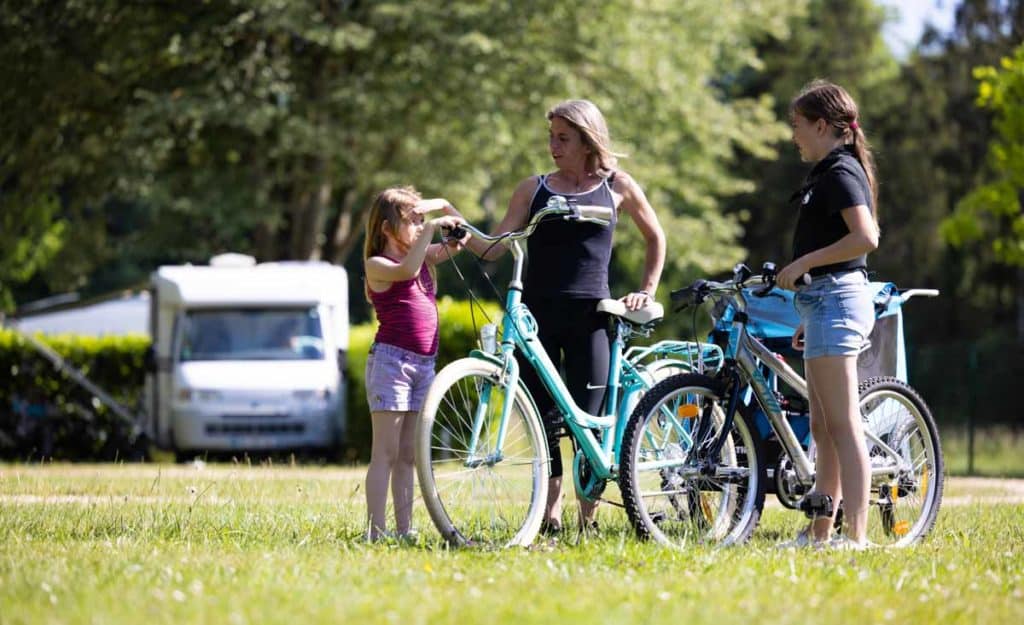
(862, 150)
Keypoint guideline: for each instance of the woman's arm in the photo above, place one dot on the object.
(862, 238)
(515, 219)
(634, 202)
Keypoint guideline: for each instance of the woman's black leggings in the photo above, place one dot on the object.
(575, 336)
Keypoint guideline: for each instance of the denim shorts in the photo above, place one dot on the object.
(397, 379)
(838, 313)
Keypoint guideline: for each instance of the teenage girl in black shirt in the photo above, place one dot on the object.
(567, 271)
(836, 229)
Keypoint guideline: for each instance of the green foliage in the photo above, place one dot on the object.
(836, 40)
(459, 323)
(264, 127)
(44, 413)
(79, 427)
(994, 212)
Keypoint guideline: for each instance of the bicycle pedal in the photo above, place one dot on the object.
(817, 506)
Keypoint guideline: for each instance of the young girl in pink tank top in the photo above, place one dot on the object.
(398, 257)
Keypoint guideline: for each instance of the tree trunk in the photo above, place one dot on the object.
(350, 226)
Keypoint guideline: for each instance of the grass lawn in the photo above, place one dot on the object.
(241, 544)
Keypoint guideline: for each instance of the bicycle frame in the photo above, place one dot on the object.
(520, 331)
(748, 353)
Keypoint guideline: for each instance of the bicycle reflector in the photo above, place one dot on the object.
(688, 411)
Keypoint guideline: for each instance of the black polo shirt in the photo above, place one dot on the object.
(836, 182)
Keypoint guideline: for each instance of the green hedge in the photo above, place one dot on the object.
(43, 413)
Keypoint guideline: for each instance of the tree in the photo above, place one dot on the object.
(836, 40)
(994, 211)
(265, 126)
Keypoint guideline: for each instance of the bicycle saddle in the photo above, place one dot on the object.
(648, 314)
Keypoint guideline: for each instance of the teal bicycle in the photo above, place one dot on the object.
(482, 455)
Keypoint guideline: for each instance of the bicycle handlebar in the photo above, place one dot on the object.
(698, 292)
(557, 205)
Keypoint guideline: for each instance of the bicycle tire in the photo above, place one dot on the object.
(481, 499)
(902, 509)
(679, 505)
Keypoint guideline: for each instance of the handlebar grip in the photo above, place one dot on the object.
(691, 295)
(604, 213)
(458, 233)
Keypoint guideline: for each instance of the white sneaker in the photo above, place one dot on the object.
(803, 540)
(844, 543)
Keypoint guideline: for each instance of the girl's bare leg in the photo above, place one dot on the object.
(836, 380)
(826, 461)
(383, 456)
(402, 484)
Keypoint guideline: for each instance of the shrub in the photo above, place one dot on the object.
(45, 414)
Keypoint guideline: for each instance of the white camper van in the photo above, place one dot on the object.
(247, 356)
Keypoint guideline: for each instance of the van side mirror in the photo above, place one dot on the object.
(342, 361)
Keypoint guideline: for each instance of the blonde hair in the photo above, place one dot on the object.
(584, 116)
(820, 99)
(391, 206)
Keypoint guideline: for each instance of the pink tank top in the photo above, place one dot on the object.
(407, 312)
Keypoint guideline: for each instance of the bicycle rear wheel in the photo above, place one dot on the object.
(672, 491)
(477, 493)
(904, 500)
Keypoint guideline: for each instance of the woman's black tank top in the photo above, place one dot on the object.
(566, 258)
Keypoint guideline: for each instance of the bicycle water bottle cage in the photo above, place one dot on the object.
(526, 324)
(817, 506)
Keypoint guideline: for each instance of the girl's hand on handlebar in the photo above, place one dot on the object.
(791, 275)
(798, 338)
(637, 300)
(449, 223)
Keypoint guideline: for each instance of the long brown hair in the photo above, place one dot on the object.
(389, 209)
(584, 116)
(820, 99)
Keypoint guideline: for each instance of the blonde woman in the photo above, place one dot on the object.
(568, 268)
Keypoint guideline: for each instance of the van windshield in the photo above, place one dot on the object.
(252, 334)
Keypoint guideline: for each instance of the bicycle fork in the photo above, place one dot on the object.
(509, 381)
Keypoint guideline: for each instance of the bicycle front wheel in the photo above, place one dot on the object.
(484, 480)
(906, 462)
(675, 488)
